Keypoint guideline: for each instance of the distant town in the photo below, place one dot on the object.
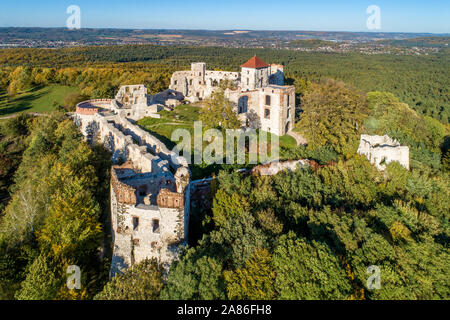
(308, 41)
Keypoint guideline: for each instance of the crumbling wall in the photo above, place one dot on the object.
(124, 193)
(145, 231)
(182, 177)
(273, 168)
(381, 150)
(199, 83)
(132, 95)
(122, 248)
(154, 145)
(276, 74)
(168, 199)
(148, 218)
(141, 159)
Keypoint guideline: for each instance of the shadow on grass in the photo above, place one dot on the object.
(169, 143)
(22, 102)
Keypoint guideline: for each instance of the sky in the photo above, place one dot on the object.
(316, 15)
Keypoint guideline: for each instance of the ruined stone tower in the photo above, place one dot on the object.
(254, 74)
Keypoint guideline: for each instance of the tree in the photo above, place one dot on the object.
(333, 114)
(395, 180)
(72, 99)
(196, 276)
(255, 281)
(218, 112)
(42, 281)
(227, 206)
(142, 281)
(354, 180)
(269, 221)
(238, 238)
(19, 80)
(308, 270)
(17, 126)
(71, 229)
(390, 116)
(54, 211)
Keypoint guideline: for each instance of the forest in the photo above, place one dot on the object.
(57, 209)
(307, 234)
(420, 81)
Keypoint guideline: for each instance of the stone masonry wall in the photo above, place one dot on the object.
(141, 227)
(381, 150)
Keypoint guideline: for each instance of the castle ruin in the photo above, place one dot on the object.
(381, 150)
(149, 183)
(260, 97)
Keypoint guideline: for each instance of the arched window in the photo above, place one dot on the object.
(243, 104)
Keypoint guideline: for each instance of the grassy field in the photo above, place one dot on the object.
(38, 99)
(183, 117)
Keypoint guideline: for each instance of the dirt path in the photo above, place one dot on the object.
(37, 114)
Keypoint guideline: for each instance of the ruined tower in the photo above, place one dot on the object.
(254, 74)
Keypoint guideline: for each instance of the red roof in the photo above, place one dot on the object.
(255, 63)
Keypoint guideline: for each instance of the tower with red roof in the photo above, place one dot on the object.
(254, 74)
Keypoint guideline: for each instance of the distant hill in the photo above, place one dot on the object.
(61, 37)
(441, 42)
(311, 43)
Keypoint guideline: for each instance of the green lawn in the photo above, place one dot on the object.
(38, 99)
(287, 141)
(182, 117)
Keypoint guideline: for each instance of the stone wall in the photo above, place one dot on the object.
(276, 74)
(273, 168)
(168, 199)
(381, 150)
(148, 216)
(88, 110)
(199, 83)
(125, 194)
(275, 114)
(118, 135)
(132, 95)
(249, 98)
(142, 228)
(169, 98)
(252, 79)
(154, 145)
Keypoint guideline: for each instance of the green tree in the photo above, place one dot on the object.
(333, 114)
(227, 206)
(72, 99)
(195, 276)
(143, 281)
(42, 281)
(308, 270)
(238, 238)
(255, 281)
(218, 112)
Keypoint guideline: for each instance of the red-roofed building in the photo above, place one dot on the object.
(255, 63)
(255, 74)
(258, 92)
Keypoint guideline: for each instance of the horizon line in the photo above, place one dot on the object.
(233, 29)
